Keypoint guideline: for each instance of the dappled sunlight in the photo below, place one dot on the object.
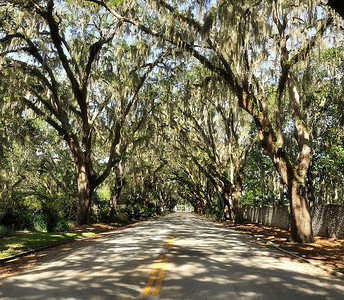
(217, 263)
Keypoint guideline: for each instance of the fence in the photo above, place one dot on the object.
(327, 220)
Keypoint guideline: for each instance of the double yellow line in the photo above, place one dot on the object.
(169, 243)
(158, 272)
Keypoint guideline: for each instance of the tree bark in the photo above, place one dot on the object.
(237, 209)
(114, 200)
(281, 192)
(310, 188)
(85, 193)
(301, 223)
(116, 191)
(85, 180)
(294, 178)
(225, 197)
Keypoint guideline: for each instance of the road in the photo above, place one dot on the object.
(179, 256)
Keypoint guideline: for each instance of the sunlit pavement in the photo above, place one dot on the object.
(178, 256)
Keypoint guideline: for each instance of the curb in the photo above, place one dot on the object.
(319, 265)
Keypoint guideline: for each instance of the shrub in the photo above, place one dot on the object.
(50, 221)
(129, 212)
(122, 217)
(159, 211)
(215, 209)
(40, 222)
(16, 220)
(6, 232)
(62, 226)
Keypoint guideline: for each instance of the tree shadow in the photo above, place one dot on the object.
(206, 261)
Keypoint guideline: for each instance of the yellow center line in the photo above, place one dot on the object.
(152, 276)
(157, 271)
(169, 243)
(160, 277)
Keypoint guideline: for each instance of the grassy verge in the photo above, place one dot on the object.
(26, 241)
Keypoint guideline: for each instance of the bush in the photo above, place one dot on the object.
(61, 226)
(16, 220)
(126, 214)
(52, 220)
(40, 222)
(122, 217)
(159, 211)
(130, 213)
(101, 208)
(6, 232)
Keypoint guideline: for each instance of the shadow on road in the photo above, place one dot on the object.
(206, 262)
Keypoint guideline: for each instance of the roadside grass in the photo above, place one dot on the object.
(25, 241)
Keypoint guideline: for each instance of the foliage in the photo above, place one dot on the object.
(51, 221)
(163, 102)
(216, 208)
(78, 72)
(128, 214)
(6, 232)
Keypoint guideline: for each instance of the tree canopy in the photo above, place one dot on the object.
(221, 103)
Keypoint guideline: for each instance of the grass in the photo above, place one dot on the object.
(25, 241)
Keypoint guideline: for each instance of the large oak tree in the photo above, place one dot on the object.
(80, 69)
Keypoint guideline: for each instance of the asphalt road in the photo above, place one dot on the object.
(179, 256)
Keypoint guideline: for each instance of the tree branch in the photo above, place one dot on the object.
(94, 50)
(49, 120)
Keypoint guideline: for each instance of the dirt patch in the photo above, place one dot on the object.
(96, 228)
(327, 251)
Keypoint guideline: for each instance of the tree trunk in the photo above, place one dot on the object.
(85, 193)
(114, 200)
(237, 210)
(310, 188)
(294, 178)
(301, 223)
(116, 191)
(336, 193)
(226, 208)
(281, 192)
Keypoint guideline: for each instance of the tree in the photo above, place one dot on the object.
(86, 68)
(36, 183)
(76, 71)
(324, 97)
(213, 136)
(235, 40)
